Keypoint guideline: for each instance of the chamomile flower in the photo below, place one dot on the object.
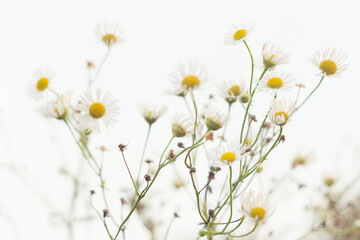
(151, 113)
(256, 206)
(275, 82)
(331, 62)
(238, 33)
(231, 89)
(42, 80)
(59, 107)
(109, 33)
(281, 111)
(214, 119)
(182, 125)
(228, 153)
(96, 108)
(187, 77)
(273, 56)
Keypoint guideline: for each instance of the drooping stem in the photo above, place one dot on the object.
(317, 86)
(252, 65)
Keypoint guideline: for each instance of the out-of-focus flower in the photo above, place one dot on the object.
(273, 56)
(330, 61)
(231, 89)
(182, 125)
(42, 80)
(96, 108)
(256, 206)
(59, 107)
(281, 111)
(109, 33)
(214, 119)
(151, 113)
(238, 33)
(187, 76)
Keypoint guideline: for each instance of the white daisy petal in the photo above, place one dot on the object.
(331, 62)
(275, 82)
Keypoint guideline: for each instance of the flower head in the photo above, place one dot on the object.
(59, 107)
(42, 80)
(231, 89)
(238, 33)
(273, 56)
(187, 76)
(95, 108)
(275, 81)
(331, 62)
(151, 113)
(228, 153)
(214, 119)
(256, 206)
(109, 33)
(281, 111)
(182, 125)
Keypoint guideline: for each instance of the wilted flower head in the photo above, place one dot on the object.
(214, 119)
(256, 206)
(151, 113)
(331, 62)
(42, 80)
(238, 33)
(109, 33)
(273, 56)
(231, 89)
(182, 125)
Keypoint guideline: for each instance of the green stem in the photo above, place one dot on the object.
(252, 65)
(132, 179)
(143, 154)
(99, 68)
(322, 78)
(246, 234)
(196, 114)
(231, 199)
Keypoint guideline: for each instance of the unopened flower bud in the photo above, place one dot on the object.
(106, 213)
(122, 147)
(180, 145)
(192, 170)
(147, 177)
(259, 168)
(244, 97)
(267, 125)
(211, 213)
(211, 175)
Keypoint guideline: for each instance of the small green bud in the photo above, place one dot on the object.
(259, 169)
(244, 97)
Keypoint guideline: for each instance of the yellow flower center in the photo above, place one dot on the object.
(97, 110)
(282, 114)
(228, 157)
(42, 84)
(258, 213)
(148, 115)
(234, 90)
(239, 34)
(275, 82)
(190, 82)
(268, 63)
(109, 38)
(329, 181)
(328, 67)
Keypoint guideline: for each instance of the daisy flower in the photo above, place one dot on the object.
(273, 56)
(59, 107)
(109, 33)
(275, 81)
(151, 113)
(281, 111)
(182, 125)
(238, 33)
(187, 76)
(256, 206)
(330, 61)
(95, 108)
(231, 89)
(228, 153)
(42, 80)
(214, 119)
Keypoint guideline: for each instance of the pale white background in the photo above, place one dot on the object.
(158, 34)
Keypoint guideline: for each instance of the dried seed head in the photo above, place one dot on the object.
(252, 117)
(282, 138)
(171, 154)
(267, 125)
(147, 177)
(103, 148)
(211, 175)
(122, 147)
(300, 85)
(90, 64)
(180, 145)
(106, 213)
(192, 170)
(123, 201)
(210, 136)
(211, 213)
(92, 192)
(148, 161)
(176, 215)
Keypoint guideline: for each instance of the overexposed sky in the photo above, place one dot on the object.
(158, 34)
